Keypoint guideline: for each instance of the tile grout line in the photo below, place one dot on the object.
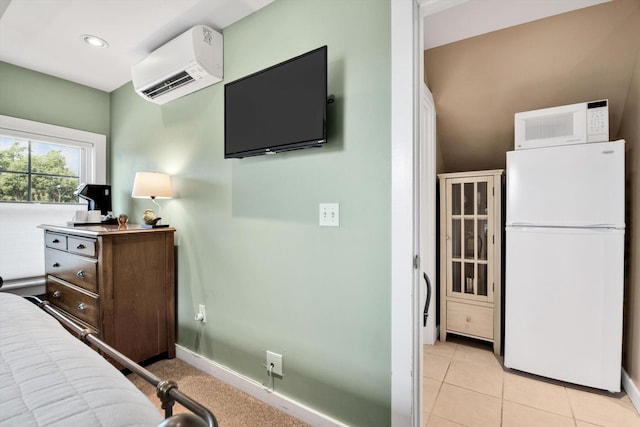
(548, 412)
(526, 405)
(451, 359)
(573, 414)
(441, 383)
(445, 376)
(434, 401)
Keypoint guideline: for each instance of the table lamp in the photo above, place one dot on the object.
(155, 185)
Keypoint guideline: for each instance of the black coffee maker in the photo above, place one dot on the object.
(98, 197)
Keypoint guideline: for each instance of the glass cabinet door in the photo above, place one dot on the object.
(469, 237)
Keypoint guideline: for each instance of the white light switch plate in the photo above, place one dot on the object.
(329, 214)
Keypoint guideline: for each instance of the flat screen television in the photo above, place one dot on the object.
(281, 108)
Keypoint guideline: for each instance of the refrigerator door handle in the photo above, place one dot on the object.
(598, 228)
(520, 224)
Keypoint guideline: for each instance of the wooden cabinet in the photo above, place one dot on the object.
(470, 255)
(119, 283)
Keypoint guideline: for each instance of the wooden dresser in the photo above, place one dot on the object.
(118, 282)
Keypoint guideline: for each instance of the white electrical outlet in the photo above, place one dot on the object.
(275, 360)
(201, 315)
(329, 214)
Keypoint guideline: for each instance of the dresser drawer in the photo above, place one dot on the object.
(470, 319)
(53, 240)
(72, 268)
(75, 301)
(81, 246)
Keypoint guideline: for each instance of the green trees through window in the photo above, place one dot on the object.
(32, 171)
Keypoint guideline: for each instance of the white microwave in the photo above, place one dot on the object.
(563, 125)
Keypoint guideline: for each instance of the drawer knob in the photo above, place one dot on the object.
(56, 241)
(80, 246)
(56, 294)
(469, 319)
(82, 306)
(81, 274)
(55, 265)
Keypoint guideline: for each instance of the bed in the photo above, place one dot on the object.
(48, 377)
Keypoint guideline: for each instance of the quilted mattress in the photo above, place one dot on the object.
(50, 378)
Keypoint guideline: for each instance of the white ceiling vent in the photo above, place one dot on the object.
(190, 62)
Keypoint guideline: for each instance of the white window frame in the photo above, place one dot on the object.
(93, 169)
(21, 241)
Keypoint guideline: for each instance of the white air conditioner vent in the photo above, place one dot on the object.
(190, 62)
(171, 83)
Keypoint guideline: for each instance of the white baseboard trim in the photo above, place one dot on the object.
(257, 390)
(631, 389)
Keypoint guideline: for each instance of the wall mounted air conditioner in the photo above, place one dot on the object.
(190, 62)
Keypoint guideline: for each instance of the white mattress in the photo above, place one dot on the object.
(50, 378)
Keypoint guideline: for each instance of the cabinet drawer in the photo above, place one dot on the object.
(470, 319)
(75, 301)
(81, 246)
(72, 268)
(53, 240)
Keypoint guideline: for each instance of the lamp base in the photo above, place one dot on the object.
(154, 225)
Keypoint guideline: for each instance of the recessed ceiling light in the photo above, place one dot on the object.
(94, 41)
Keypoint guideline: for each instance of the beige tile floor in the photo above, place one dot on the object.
(464, 384)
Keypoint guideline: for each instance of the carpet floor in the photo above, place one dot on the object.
(231, 407)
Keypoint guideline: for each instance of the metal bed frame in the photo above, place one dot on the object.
(167, 391)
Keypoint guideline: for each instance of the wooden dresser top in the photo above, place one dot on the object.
(105, 229)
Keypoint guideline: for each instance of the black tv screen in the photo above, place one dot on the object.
(281, 108)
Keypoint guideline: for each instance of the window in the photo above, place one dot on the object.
(35, 171)
(45, 163)
(42, 156)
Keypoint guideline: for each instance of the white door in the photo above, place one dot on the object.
(575, 185)
(427, 221)
(563, 304)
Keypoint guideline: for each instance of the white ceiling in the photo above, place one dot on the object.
(45, 35)
(448, 21)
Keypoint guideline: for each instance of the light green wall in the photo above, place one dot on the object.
(31, 95)
(27, 94)
(250, 247)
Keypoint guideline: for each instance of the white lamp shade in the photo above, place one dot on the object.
(152, 184)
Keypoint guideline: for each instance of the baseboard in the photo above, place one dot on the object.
(631, 389)
(257, 390)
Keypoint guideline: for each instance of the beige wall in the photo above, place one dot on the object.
(440, 168)
(478, 84)
(630, 131)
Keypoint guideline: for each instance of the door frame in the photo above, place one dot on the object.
(407, 76)
(406, 374)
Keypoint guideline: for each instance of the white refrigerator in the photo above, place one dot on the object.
(565, 262)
